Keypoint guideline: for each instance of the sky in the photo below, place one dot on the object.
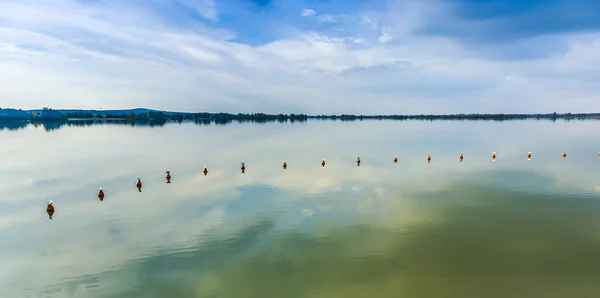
(302, 56)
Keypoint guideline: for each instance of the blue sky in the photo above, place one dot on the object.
(302, 56)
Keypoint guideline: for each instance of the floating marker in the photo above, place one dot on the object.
(50, 207)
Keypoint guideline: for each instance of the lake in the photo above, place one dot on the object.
(512, 227)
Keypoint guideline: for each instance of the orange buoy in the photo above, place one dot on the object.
(243, 168)
(564, 155)
(100, 194)
(358, 161)
(528, 155)
(50, 207)
(205, 171)
(323, 163)
(284, 165)
(139, 185)
(395, 159)
(460, 157)
(493, 156)
(168, 177)
(428, 158)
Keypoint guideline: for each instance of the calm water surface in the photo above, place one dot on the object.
(480, 228)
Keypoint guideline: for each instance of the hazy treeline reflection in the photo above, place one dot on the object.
(13, 125)
(54, 125)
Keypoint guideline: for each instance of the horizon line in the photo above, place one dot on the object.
(310, 115)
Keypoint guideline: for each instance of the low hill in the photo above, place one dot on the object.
(113, 112)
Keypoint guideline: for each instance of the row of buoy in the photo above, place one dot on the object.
(461, 157)
(50, 207)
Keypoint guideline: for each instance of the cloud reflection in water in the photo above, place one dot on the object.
(309, 231)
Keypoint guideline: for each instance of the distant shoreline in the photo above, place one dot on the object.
(142, 114)
(54, 120)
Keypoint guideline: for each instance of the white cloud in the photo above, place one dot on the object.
(327, 18)
(205, 8)
(337, 18)
(385, 35)
(307, 12)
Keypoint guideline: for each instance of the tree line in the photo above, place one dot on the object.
(49, 114)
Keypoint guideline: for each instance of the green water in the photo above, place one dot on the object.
(481, 228)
